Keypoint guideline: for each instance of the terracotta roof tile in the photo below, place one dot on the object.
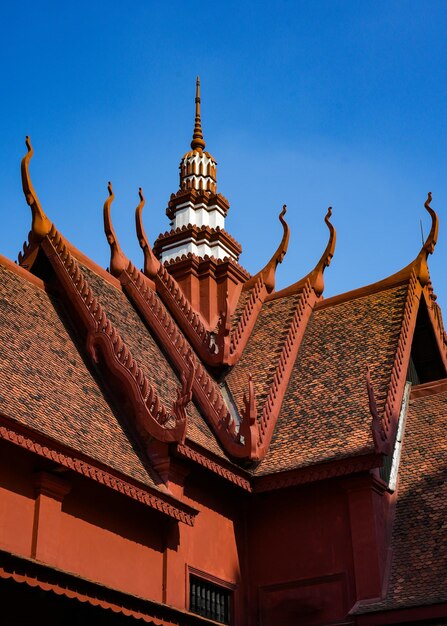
(419, 539)
(262, 351)
(46, 385)
(325, 413)
(149, 356)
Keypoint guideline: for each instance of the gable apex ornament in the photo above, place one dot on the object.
(41, 225)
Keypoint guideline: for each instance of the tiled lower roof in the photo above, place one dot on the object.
(419, 539)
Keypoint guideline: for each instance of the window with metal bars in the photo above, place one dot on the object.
(209, 600)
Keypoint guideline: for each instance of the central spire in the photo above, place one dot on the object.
(197, 142)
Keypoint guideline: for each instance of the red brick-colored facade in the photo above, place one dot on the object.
(185, 445)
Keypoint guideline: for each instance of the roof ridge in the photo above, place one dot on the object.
(138, 288)
(205, 389)
(151, 415)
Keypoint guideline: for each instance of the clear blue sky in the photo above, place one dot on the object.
(309, 103)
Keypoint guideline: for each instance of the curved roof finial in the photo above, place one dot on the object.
(41, 225)
(316, 277)
(430, 242)
(118, 261)
(151, 263)
(197, 142)
(268, 273)
(420, 263)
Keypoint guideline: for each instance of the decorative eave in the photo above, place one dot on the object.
(195, 379)
(321, 471)
(51, 580)
(59, 454)
(104, 345)
(198, 198)
(198, 235)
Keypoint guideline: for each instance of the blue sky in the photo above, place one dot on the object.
(305, 103)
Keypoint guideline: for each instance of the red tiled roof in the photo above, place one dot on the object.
(261, 354)
(325, 413)
(46, 385)
(419, 539)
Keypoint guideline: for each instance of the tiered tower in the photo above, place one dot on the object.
(197, 250)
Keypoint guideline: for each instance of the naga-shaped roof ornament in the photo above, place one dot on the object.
(197, 143)
(268, 273)
(315, 277)
(151, 263)
(118, 260)
(41, 225)
(420, 263)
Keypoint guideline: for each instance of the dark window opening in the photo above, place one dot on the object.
(426, 363)
(209, 600)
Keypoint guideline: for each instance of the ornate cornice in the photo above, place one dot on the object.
(198, 198)
(79, 463)
(197, 234)
(217, 467)
(314, 473)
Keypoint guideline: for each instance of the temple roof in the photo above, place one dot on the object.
(419, 538)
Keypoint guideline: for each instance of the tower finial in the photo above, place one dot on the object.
(197, 137)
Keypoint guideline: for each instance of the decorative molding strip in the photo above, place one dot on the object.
(435, 315)
(241, 334)
(402, 356)
(289, 352)
(152, 418)
(205, 389)
(70, 585)
(314, 473)
(185, 450)
(53, 451)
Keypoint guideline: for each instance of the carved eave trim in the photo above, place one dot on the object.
(315, 277)
(399, 370)
(218, 466)
(317, 472)
(199, 199)
(81, 464)
(205, 390)
(435, 316)
(284, 367)
(50, 580)
(107, 349)
(268, 272)
(241, 333)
